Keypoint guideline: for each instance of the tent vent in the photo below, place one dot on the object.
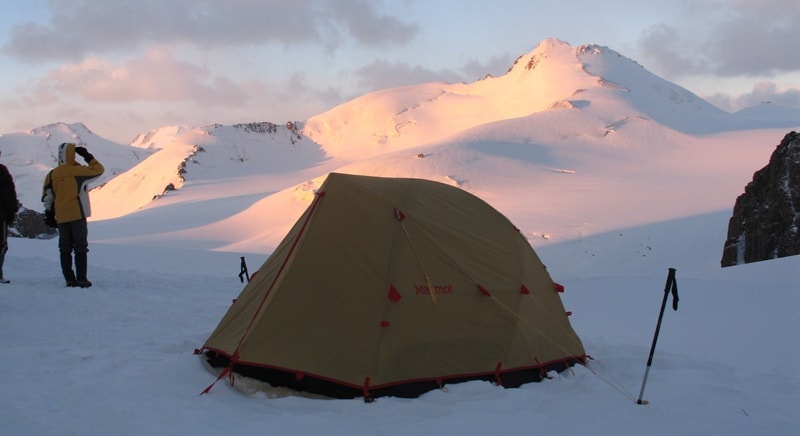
(393, 294)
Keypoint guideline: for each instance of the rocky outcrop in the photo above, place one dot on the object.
(766, 217)
(30, 224)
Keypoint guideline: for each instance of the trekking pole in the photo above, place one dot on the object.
(243, 273)
(671, 285)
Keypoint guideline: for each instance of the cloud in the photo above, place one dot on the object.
(368, 26)
(762, 92)
(382, 74)
(751, 38)
(156, 77)
(78, 28)
(661, 44)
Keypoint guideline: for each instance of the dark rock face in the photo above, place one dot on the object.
(766, 217)
(30, 224)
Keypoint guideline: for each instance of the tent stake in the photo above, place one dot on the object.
(671, 285)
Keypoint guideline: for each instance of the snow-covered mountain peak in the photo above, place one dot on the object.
(595, 80)
(548, 48)
(57, 133)
(157, 137)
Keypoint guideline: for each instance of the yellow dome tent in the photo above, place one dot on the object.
(395, 286)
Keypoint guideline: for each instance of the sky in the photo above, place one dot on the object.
(128, 67)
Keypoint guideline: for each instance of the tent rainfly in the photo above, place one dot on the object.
(396, 286)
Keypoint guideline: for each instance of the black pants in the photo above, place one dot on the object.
(73, 236)
(3, 245)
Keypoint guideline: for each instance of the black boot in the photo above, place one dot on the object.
(66, 269)
(80, 270)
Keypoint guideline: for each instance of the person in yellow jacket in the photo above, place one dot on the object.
(66, 204)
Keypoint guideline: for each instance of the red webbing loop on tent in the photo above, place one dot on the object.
(228, 370)
(365, 389)
(484, 291)
(393, 294)
(524, 290)
(541, 368)
(299, 375)
(558, 287)
(399, 215)
(569, 313)
(497, 373)
(384, 323)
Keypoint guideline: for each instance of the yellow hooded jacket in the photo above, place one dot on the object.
(66, 186)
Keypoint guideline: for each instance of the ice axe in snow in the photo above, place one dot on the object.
(671, 286)
(243, 273)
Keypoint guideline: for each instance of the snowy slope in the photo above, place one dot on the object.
(184, 155)
(554, 181)
(117, 358)
(769, 114)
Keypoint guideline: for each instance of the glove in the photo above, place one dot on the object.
(84, 153)
(50, 218)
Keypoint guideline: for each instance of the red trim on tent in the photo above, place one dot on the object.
(393, 294)
(524, 290)
(558, 287)
(484, 291)
(399, 215)
(439, 379)
(299, 375)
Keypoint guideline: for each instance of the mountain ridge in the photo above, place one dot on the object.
(557, 118)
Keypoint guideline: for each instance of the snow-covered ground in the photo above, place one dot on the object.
(117, 358)
(611, 186)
